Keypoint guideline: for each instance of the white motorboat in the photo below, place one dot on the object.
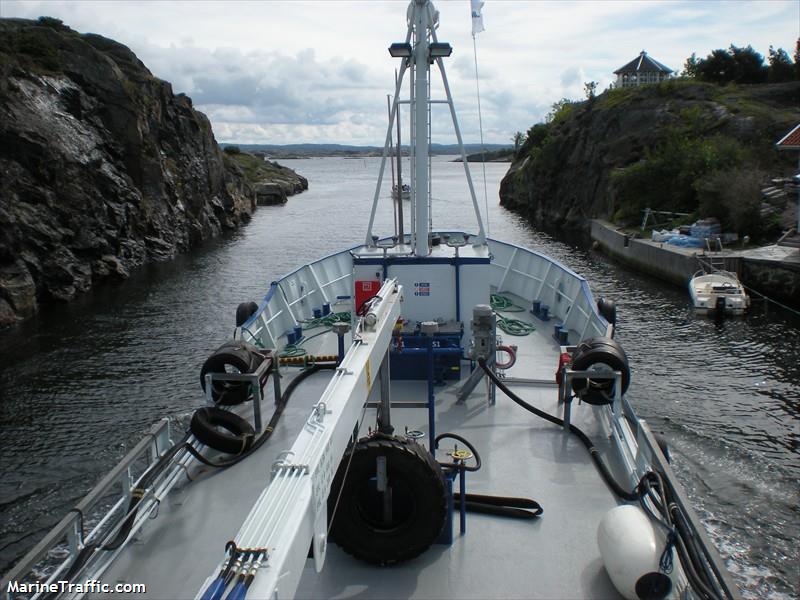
(449, 420)
(719, 293)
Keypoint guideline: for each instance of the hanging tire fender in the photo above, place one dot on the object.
(222, 430)
(244, 311)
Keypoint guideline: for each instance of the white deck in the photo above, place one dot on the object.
(555, 556)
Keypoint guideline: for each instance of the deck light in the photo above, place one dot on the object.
(400, 50)
(440, 50)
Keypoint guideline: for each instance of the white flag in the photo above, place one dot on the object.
(477, 17)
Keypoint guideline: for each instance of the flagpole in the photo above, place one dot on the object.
(480, 119)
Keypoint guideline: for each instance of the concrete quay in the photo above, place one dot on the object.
(773, 271)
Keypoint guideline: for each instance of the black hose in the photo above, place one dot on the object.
(457, 465)
(501, 505)
(593, 451)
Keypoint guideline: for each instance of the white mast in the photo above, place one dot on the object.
(426, 49)
(421, 241)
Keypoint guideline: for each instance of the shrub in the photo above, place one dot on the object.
(734, 197)
(666, 177)
(232, 150)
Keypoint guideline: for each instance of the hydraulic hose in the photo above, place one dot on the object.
(458, 438)
(593, 451)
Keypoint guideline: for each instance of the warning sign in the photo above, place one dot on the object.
(422, 288)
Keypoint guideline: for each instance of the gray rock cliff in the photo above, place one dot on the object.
(573, 168)
(102, 167)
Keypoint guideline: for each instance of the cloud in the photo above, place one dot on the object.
(288, 71)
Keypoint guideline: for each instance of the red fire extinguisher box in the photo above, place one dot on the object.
(366, 289)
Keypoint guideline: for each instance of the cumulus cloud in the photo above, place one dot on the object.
(289, 71)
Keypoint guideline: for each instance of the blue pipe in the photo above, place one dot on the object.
(431, 398)
(462, 486)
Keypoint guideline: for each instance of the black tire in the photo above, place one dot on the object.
(222, 430)
(601, 354)
(244, 311)
(608, 310)
(419, 504)
(232, 357)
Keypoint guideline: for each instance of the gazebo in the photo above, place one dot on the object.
(640, 71)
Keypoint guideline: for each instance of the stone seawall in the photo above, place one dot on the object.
(676, 265)
(774, 274)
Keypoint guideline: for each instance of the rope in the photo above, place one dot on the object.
(510, 326)
(500, 302)
(296, 350)
(515, 326)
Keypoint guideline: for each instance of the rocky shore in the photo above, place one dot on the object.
(102, 167)
(672, 146)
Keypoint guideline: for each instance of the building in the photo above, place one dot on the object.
(791, 141)
(640, 71)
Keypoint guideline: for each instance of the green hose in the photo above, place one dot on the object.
(516, 327)
(296, 349)
(500, 302)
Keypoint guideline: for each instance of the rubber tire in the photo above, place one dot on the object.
(418, 490)
(599, 351)
(244, 311)
(237, 355)
(222, 430)
(608, 310)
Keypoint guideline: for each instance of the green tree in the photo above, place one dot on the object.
(797, 60)
(690, 67)
(780, 66)
(740, 65)
(750, 67)
(559, 111)
(589, 89)
(518, 139)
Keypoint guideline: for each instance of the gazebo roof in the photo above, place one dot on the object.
(791, 141)
(643, 64)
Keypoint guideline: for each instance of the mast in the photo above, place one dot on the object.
(419, 51)
(421, 242)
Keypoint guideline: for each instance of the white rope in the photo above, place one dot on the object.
(480, 125)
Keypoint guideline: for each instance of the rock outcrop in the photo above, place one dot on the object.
(272, 183)
(567, 171)
(102, 167)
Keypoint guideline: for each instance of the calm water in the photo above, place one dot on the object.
(81, 382)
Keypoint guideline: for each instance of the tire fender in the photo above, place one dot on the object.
(601, 354)
(418, 501)
(222, 430)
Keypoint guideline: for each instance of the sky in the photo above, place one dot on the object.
(284, 72)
